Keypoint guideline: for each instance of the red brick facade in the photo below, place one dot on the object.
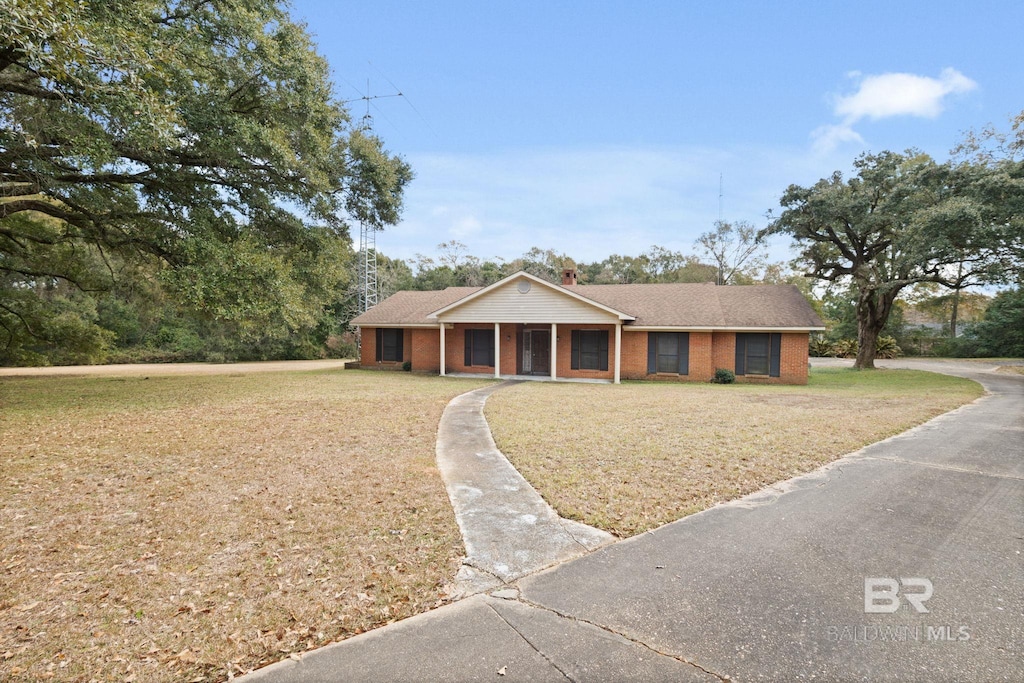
(708, 351)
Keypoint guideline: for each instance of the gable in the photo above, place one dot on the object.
(525, 299)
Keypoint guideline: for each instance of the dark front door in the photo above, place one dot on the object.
(540, 352)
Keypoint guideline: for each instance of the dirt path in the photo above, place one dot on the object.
(150, 369)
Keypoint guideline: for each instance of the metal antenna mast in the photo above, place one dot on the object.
(720, 193)
(367, 264)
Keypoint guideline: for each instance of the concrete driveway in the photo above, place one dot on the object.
(901, 562)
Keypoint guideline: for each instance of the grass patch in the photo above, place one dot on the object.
(193, 527)
(632, 457)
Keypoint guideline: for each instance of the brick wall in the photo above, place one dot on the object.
(708, 351)
(565, 353)
(455, 349)
(793, 361)
(792, 358)
(634, 358)
(425, 350)
(368, 350)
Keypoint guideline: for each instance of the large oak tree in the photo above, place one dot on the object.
(202, 135)
(903, 219)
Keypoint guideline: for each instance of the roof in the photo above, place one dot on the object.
(410, 308)
(707, 305)
(679, 305)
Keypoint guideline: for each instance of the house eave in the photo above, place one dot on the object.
(717, 328)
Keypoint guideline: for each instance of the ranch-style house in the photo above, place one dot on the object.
(524, 325)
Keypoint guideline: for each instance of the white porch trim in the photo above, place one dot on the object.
(442, 351)
(497, 350)
(554, 350)
(618, 350)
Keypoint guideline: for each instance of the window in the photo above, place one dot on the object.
(589, 350)
(390, 344)
(668, 352)
(758, 354)
(480, 347)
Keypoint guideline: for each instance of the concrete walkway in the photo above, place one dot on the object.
(507, 528)
(770, 588)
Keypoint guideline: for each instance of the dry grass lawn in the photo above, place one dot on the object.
(191, 528)
(632, 457)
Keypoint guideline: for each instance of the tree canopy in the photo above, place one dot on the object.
(904, 219)
(199, 137)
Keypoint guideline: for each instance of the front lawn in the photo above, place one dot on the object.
(632, 457)
(194, 527)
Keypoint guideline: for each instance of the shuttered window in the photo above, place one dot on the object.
(668, 352)
(390, 344)
(480, 348)
(589, 350)
(758, 353)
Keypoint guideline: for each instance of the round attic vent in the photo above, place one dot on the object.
(523, 286)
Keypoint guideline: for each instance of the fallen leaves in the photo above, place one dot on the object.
(201, 527)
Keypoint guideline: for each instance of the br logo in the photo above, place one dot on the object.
(882, 595)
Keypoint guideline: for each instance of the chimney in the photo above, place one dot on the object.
(568, 277)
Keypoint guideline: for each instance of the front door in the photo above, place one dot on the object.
(539, 348)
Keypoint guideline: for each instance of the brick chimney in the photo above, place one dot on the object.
(568, 277)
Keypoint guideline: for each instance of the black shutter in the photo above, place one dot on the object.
(741, 354)
(683, 349)
(399, 345)
(490, 349)
(652, 353)
(574, 362)
(774, 354)
(469, 347)
(602, 350)
(380, 343)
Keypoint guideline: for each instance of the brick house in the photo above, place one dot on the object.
(523, 325)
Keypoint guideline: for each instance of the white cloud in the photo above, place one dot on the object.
(888, 95)
(900, 94)
(827, 138)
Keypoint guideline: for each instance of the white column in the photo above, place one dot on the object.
(554, 351)
(618, 349)
(442, 349)
(497, 351)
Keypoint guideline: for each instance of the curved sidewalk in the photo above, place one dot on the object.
(509, 531)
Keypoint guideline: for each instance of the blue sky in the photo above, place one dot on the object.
(594, 128)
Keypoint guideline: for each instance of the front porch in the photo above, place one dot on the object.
(531, 351)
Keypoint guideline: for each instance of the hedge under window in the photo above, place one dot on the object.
(480, 347)
(389, 344)
(589, 350)
(668, 352)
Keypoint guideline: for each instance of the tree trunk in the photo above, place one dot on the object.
(873, 310)
(953, 317)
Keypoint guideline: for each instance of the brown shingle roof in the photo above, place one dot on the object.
(411, 307)
(707, 305)
(653, 305)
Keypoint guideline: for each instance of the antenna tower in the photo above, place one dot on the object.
(367, 264)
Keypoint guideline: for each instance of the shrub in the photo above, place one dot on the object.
(819, 347)
(407, 366)
(845, 348)
(886, 347)
(723, 376)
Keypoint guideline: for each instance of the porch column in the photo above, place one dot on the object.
(442, 349)
(618, 350)
(554, 350)
(497, 350)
